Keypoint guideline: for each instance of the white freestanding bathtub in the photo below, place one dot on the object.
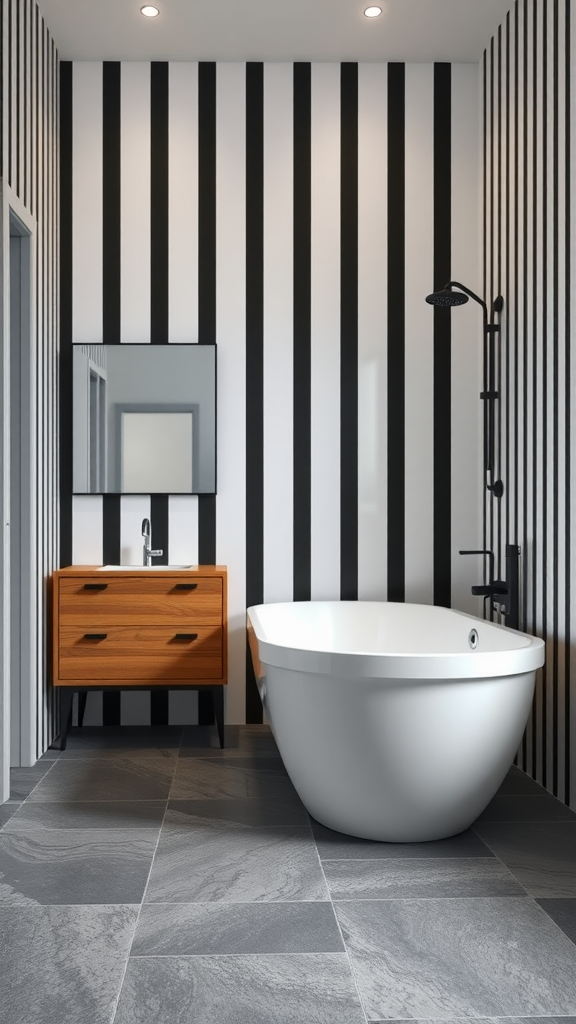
(395, 722)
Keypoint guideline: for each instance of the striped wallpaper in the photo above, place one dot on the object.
(530, 228)
(296, 215)
(29, 167)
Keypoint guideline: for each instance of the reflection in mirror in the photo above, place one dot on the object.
(156, 451)
(144, 419)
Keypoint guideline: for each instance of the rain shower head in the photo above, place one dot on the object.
(447, 298)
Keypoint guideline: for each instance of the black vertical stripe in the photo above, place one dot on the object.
(516, 221)
(396, 331)
(504, 287)
(111, 556)
(544, 387)
(489, 293)
(206, 556)
(442, 335)
(498, 291)
(485, 260)
(526, 346)
(65, 430)
(349, 331)
(159, 202)
(206, 297)
(207, 203)
(254, 360)
(524, 278)
(535, 310)
(159, 699)
(567, 394)
(301, 327)
(207, 529)
(111, 84)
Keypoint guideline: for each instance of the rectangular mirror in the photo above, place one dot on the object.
(144, 419)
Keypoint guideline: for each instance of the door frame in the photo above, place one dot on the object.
(15, 219)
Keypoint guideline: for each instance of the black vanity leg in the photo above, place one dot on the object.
(82, 698)
(66, 698)
(218, 698)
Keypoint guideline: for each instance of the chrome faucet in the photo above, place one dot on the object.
(148, 553)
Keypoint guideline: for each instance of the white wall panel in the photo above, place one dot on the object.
(135, 202)
(231, 340)
(133, 509)
(183, 202)
(325, 331)
(87, 529)
(372, 313)
(419, 349)
(87, 202)
(183, 529)
(278, 328)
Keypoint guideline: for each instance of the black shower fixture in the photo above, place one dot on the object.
(448, 297)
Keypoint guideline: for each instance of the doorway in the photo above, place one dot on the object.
(22, 740)
(18, 712)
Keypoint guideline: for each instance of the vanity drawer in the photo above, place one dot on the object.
(123, 601)
(152, 654)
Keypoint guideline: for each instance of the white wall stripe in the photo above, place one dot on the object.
(87, 203)
(372, 313)
(87, 529)
(133, 509)
(278, 329)
(183, 529)
(419, 372)
(183, 202)
(230, 336)
(135, 202)
(325, 332)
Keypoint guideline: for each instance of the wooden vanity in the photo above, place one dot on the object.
(139, 628)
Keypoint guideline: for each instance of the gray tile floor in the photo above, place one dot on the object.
(148, 877)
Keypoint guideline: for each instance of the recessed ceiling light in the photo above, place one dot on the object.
(373, 12)
(149, 12)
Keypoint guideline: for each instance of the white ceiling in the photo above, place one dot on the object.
(323, 30)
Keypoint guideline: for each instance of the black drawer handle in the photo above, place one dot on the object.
(185, 586)
(186, 636)
(95, 636)
(95, 586)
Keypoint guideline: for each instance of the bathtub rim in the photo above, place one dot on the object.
(471, 664)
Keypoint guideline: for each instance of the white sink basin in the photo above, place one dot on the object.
(144, 568)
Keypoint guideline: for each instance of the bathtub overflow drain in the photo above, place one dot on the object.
(473, 639)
